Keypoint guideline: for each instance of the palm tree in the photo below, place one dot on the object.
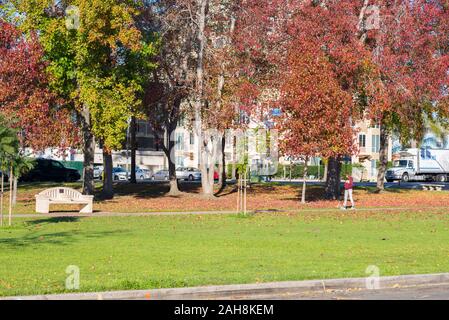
(21, 165)
(9, 143)
(9, 148)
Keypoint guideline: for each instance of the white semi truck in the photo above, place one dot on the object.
(425, 164)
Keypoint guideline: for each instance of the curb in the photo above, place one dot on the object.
(249, 291)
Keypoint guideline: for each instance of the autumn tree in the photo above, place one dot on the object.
(408, 41)
(215, 102)
(221, 79)
(25, 100)
(309, 94)
(208, 139)
(167, 93)
(164, 110)
(181, 26)
(268, 30)
(85, 42)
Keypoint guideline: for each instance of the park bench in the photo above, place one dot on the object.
(433, 187)
(62, 195)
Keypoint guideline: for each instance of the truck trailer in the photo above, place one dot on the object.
(425, 164)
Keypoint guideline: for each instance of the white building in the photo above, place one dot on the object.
(368, 142)
(150, 155)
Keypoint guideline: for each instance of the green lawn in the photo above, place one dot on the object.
(175, 251)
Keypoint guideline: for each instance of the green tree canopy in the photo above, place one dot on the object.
(97, 57)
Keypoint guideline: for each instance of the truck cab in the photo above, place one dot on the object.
(403, 170)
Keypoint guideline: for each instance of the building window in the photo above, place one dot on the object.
(141, 128)
(192, 139)
(179, 161)
(145, 143)
(179, 141)
(375, 143)
(373, 168)
(362, 141)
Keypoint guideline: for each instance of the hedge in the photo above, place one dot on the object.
(78, 165)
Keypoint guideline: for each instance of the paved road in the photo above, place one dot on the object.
(427, 292)
(415, 287)
(388, 185)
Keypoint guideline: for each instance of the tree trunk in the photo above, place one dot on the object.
(326, 162)
(234, 157)
(222, 166)
(108, 188)
(11, 179)
(304, 183)
(132, 132)
(89, 153)
(383, 158)
(333, 179)
(14, 191)
(209, 144)
(207, 187)
(170, 153)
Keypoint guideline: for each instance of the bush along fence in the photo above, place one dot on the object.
(78, 165)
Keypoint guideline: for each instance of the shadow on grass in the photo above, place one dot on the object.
(374, 190)
(159, 190)
(226, 191)
(316, 193)
(156, 190)
(54, 238)
(29, 186)
(54, 220)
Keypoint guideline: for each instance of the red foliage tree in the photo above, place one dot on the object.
(394, 64)
(24, 96)
(272, 32)
(310, 94)
(409, 50)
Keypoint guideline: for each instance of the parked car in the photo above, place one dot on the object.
(98, 172)
(148, 173)
(51, 170)
(188, 174)
(161, 175)
(120, 174)
(143, 174)
(6, 179)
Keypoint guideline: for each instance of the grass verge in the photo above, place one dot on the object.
(115, 253)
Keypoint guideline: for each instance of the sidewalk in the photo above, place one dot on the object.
(389, 287)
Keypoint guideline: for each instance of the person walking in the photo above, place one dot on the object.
(349, 184)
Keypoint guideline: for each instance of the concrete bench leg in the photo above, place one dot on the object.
(88, 208)
(42, 206)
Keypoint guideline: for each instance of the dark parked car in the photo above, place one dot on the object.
(51, 170)
(6, 179)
